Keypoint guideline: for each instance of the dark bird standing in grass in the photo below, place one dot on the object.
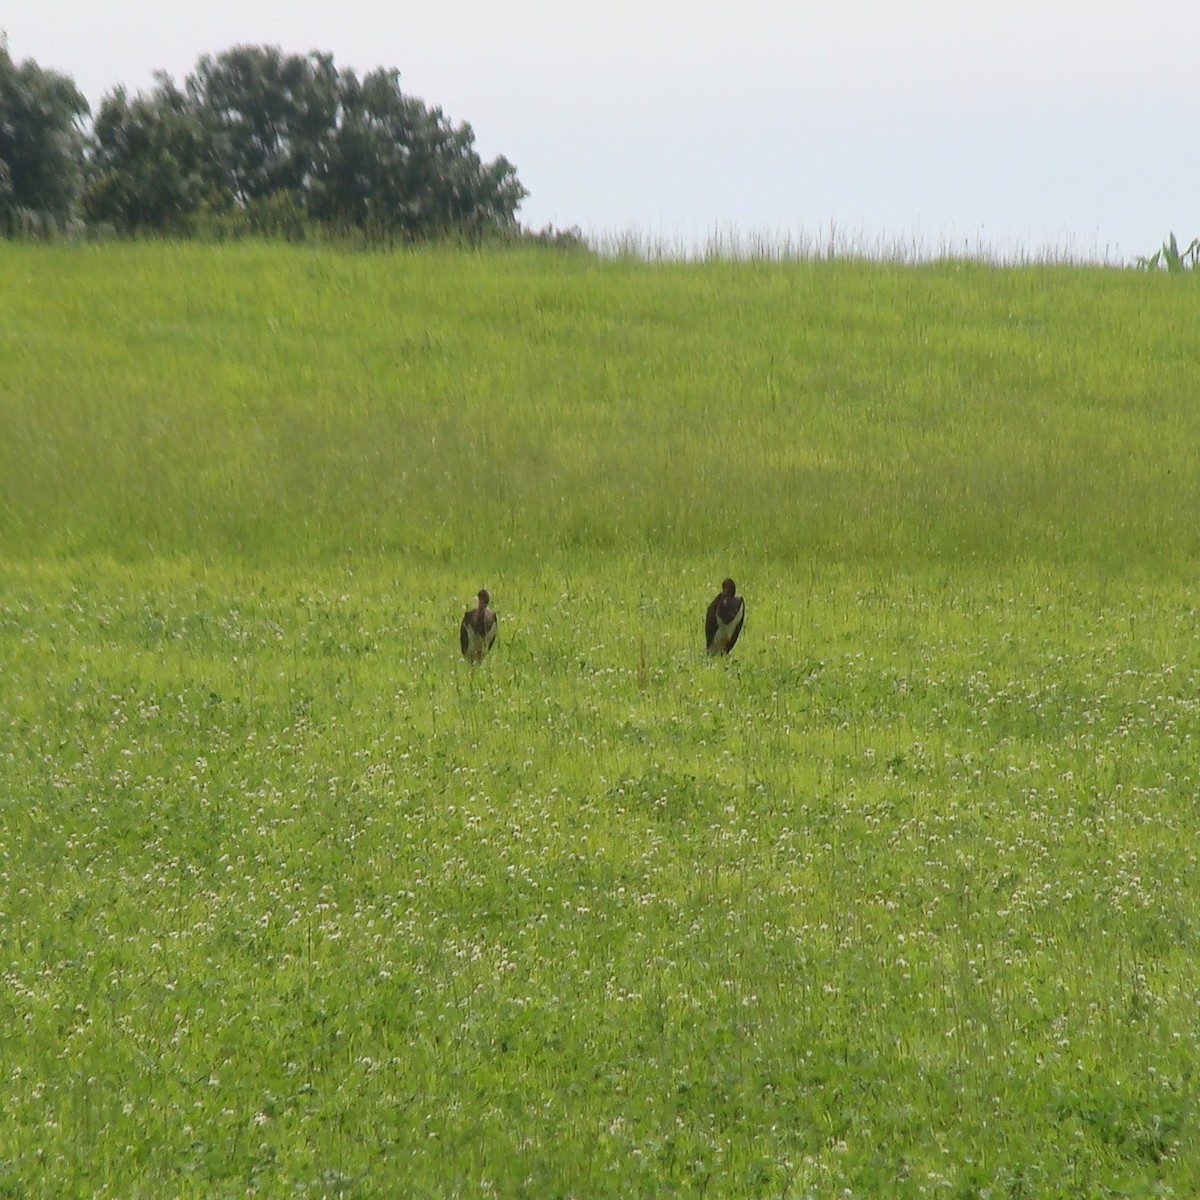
(478, 630)
(724, 620)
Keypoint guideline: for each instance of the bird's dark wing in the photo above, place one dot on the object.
(464, 633)
(710, 623)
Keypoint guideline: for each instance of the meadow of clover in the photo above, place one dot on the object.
(901, 899)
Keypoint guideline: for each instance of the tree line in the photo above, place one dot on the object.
(253, 140)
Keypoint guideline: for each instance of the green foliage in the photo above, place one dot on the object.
(267, 117)
(255, 142)
(397, 169)
(899, 900)
(40, 146)
(148, 170)
(1170, 258)
(280, 145)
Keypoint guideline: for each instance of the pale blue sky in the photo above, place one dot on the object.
(1066, 125)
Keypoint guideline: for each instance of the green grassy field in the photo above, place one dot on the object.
(900, 900)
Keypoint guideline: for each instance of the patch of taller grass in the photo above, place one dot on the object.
(304, 402)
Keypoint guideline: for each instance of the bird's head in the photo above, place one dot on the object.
(728, 587)
(484, 598)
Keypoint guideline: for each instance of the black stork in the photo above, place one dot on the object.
(723, 622)
(478, 629)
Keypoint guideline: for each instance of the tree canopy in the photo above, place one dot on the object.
(149, 162)
(253, 135)
(41, 145)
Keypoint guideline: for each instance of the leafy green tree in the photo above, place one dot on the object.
(41, 145)
(264, 140)
(268, 117)
(149, 162)
(397, 168)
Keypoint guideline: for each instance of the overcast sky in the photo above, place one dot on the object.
(1011, 125)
